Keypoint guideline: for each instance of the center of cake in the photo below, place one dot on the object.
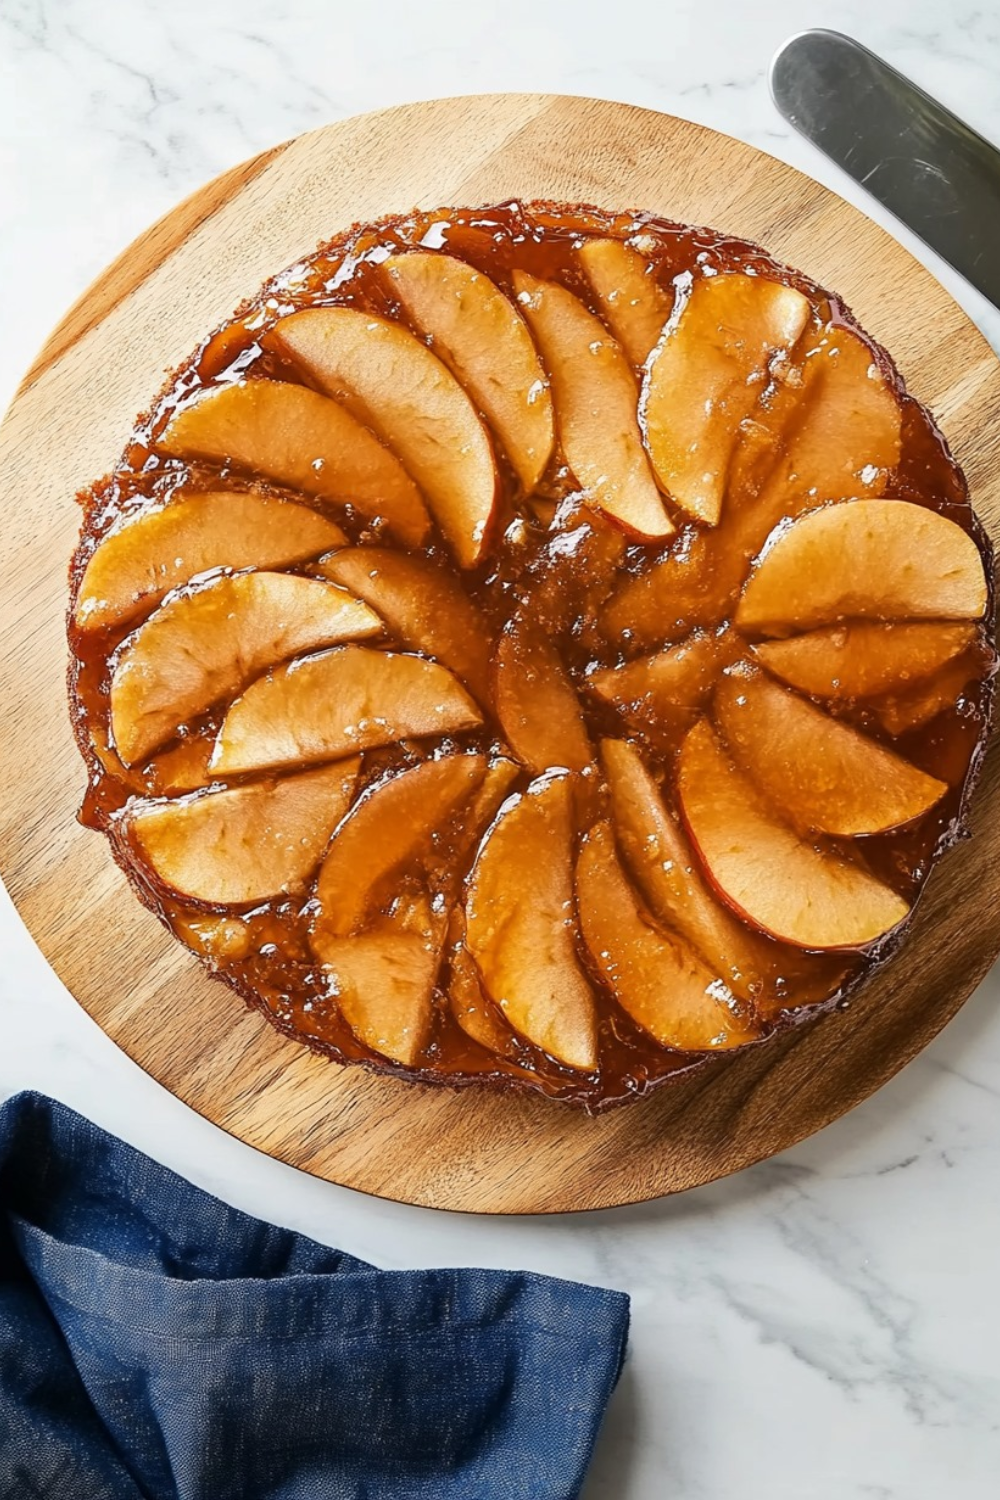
(532, 645)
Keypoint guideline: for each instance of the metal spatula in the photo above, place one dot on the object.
(937, 175)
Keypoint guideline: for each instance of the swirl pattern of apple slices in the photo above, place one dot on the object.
(787, 640)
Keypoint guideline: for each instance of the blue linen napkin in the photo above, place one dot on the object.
(156, 1344)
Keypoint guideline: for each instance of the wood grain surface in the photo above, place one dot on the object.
(67, 425)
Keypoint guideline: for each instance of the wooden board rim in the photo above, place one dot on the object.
(492, 1154)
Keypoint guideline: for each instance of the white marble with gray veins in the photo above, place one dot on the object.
(828, 1324)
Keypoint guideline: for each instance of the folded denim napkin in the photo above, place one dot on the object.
(156, 1343)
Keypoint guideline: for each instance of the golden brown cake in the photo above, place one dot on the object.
(535, 647)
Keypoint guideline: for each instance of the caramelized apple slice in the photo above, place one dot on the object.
(595, 398)
(886, 559)
(655, 977)
(663, 865)
(423, 606)
(383, 981)
(146, 555)
(338, 702)
(832, 430)
(535, 701)
(669, 688)
(470, 1005)
(450, 853)
(413, 402)
(839, 426)
(898, 713)
(482, 339)
(520, 924)
(707, 375)
(481, 809)
(205, 645)
(247, 844)
(802, 893)
(297, 437)
(822, 774)
(394, 824)
(635, 306)
(214, 937)
(182, 768)
(863, 660)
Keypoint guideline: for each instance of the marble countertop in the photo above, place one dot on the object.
(828, 1324)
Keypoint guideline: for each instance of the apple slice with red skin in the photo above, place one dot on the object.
(823, 775)
(483, 340)
(383, 980)
(519, 916)
(298, 438)
(204, 645)
(595, 397)
(864, 659)
(803, 893)
(535, 700)
(668, 874)
(336, 703)
(423, 606)
(148, 554)
(392, 382)
(708, 374)
(633, 303)
(655, 977)
(395, 824)
(244, 844)
(832, 428)
(864, 559)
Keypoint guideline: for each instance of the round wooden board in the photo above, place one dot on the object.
(470, 1151)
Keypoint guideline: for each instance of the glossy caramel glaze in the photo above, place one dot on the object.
(552, 555)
